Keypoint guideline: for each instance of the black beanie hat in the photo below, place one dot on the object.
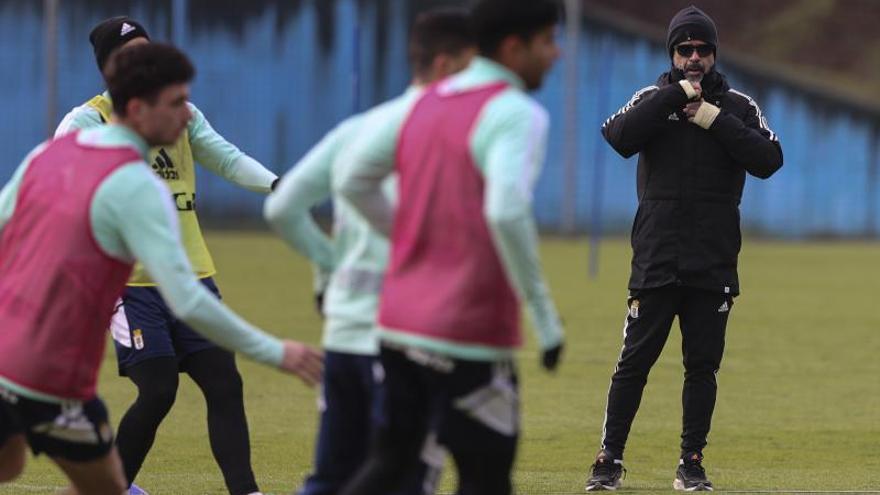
(691, 23)
(112, 33)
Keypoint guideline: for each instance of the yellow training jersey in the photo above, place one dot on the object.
(175, 165)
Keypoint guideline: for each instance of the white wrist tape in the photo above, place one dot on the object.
(688, 89)
(705, 115)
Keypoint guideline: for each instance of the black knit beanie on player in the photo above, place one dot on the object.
(112, 33)
(691, 23)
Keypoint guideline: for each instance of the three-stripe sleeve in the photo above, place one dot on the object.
(762, 120)
(631, 103)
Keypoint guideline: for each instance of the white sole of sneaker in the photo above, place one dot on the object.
(598, 487)
(679, 485)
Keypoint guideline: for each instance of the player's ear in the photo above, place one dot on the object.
(510, 49)
(442, 66)
(130, 108)
(135, 108)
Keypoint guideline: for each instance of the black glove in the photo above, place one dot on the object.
(319, 303)
(550, 358)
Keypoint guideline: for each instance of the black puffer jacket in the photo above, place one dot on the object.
(690, 181)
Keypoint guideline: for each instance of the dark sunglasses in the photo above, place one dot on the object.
(688, 50)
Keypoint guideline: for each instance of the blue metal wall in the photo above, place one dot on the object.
(275, 84)
(827, 187)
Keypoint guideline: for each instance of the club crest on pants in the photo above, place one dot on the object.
(138, 338)
(634, 308)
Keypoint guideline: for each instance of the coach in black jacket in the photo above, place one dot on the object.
(696, 138)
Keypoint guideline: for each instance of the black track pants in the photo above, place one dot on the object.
(703, 319)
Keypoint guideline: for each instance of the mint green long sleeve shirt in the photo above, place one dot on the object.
(509, 146)
(132, 218)
(356, 256)
(210, 149)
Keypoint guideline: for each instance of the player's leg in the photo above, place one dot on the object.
(703, 326)
(400, 428)
(102, 475)
(13, 455)
(214, 371)
(480, 426)
(345, 423)
(647, 326)
(349, 394)
(78, 438)
(703, 321)
(144, 351)
(156, 381)
(424, 479)
(13, 452)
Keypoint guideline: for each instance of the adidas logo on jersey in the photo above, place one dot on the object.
(724, 308)
(164, 167)
(126, 28)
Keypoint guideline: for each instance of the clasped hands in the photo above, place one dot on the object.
(697, 110)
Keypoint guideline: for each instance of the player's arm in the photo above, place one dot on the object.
(133, 218)
(308, 183)
(750, 141)
(646, 114)
(9, 193)
(510, 145)
(82, 117)
(287, 210)
(223, 158)
(369, 159)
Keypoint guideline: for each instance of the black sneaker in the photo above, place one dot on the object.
(690, 475)
(605, 473)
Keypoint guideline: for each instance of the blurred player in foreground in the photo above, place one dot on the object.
(152, 346)
(75, 216)
(464, 252)
(441, 43)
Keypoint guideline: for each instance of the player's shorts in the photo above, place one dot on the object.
(472, 406)
(71, 430)
(348, 404)
(144, 328)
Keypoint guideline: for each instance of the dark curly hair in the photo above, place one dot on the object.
(440, 31)
(142, 71)
(495, 20)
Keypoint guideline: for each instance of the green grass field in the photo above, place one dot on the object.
(799, 390)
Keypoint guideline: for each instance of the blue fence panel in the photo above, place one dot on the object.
(277, 84)
(828, 185)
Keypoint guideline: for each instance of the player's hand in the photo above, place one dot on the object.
(550, 357)
(319, 303)
(321, 282)
(698, 88)
(692, 89)
(303, 361)
(690, 110)
(701, 113)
